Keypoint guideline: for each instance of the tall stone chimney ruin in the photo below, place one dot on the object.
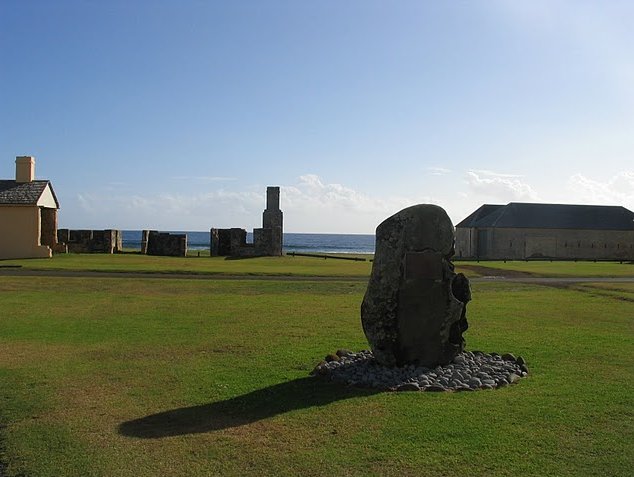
(272, 218)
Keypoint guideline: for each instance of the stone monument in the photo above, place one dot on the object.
(414, 309)
(413, 315)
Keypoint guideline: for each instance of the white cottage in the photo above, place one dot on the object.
(28, 214)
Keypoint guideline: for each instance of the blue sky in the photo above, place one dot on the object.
(176, 115)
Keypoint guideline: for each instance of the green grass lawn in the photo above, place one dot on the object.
(298, 266)
(141, 377)
(552, 269)
(301, 266)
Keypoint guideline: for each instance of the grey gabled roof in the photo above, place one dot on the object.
(483, 211)
(551, 216)
(23, 193)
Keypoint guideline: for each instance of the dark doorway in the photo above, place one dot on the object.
(483, 237)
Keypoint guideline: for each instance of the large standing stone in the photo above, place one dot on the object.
(413, 311)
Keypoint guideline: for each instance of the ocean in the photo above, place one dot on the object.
(303, 243)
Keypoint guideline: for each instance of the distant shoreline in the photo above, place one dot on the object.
(360, 244)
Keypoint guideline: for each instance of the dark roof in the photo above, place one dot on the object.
(551, 216)
(23, 193)
(483, 211)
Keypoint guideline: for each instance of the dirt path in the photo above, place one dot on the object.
(485, 271)
(20, 272)
(534, 279)
(495, 276)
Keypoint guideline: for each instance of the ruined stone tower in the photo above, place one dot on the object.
(272, 219)
(266, 240)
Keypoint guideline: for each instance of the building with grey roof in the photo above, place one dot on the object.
(28, 214)
(518, 231)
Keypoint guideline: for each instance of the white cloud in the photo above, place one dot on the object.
(618, 190)
(204, 178)
(312, 205)
(220, 208)
(309, 205)
(501, 187)
(488, 173)
(438, 171)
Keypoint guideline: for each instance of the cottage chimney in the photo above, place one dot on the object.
(24, 169)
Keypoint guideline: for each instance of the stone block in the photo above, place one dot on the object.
(166, 244)
(414, 309)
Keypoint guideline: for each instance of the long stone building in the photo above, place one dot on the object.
(518, 231)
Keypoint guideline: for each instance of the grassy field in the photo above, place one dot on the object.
(297, 266)
(147, 377)
(302, 266)
(552, 269)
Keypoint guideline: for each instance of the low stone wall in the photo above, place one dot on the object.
(164, 244)
(267, 241)
(233, 243)
(220, 242)
(90, 241)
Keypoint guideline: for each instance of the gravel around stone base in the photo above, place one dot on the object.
(469, 371)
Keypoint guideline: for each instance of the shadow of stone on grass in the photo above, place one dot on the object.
(252, 407)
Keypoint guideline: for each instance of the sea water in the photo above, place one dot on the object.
(301, 243)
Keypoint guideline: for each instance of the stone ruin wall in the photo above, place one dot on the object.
(163, 244)
(111, 241)
(48, 226)
(90, 241)
(233, 242)
(267, 240)
(230, 242)
(220, 242)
